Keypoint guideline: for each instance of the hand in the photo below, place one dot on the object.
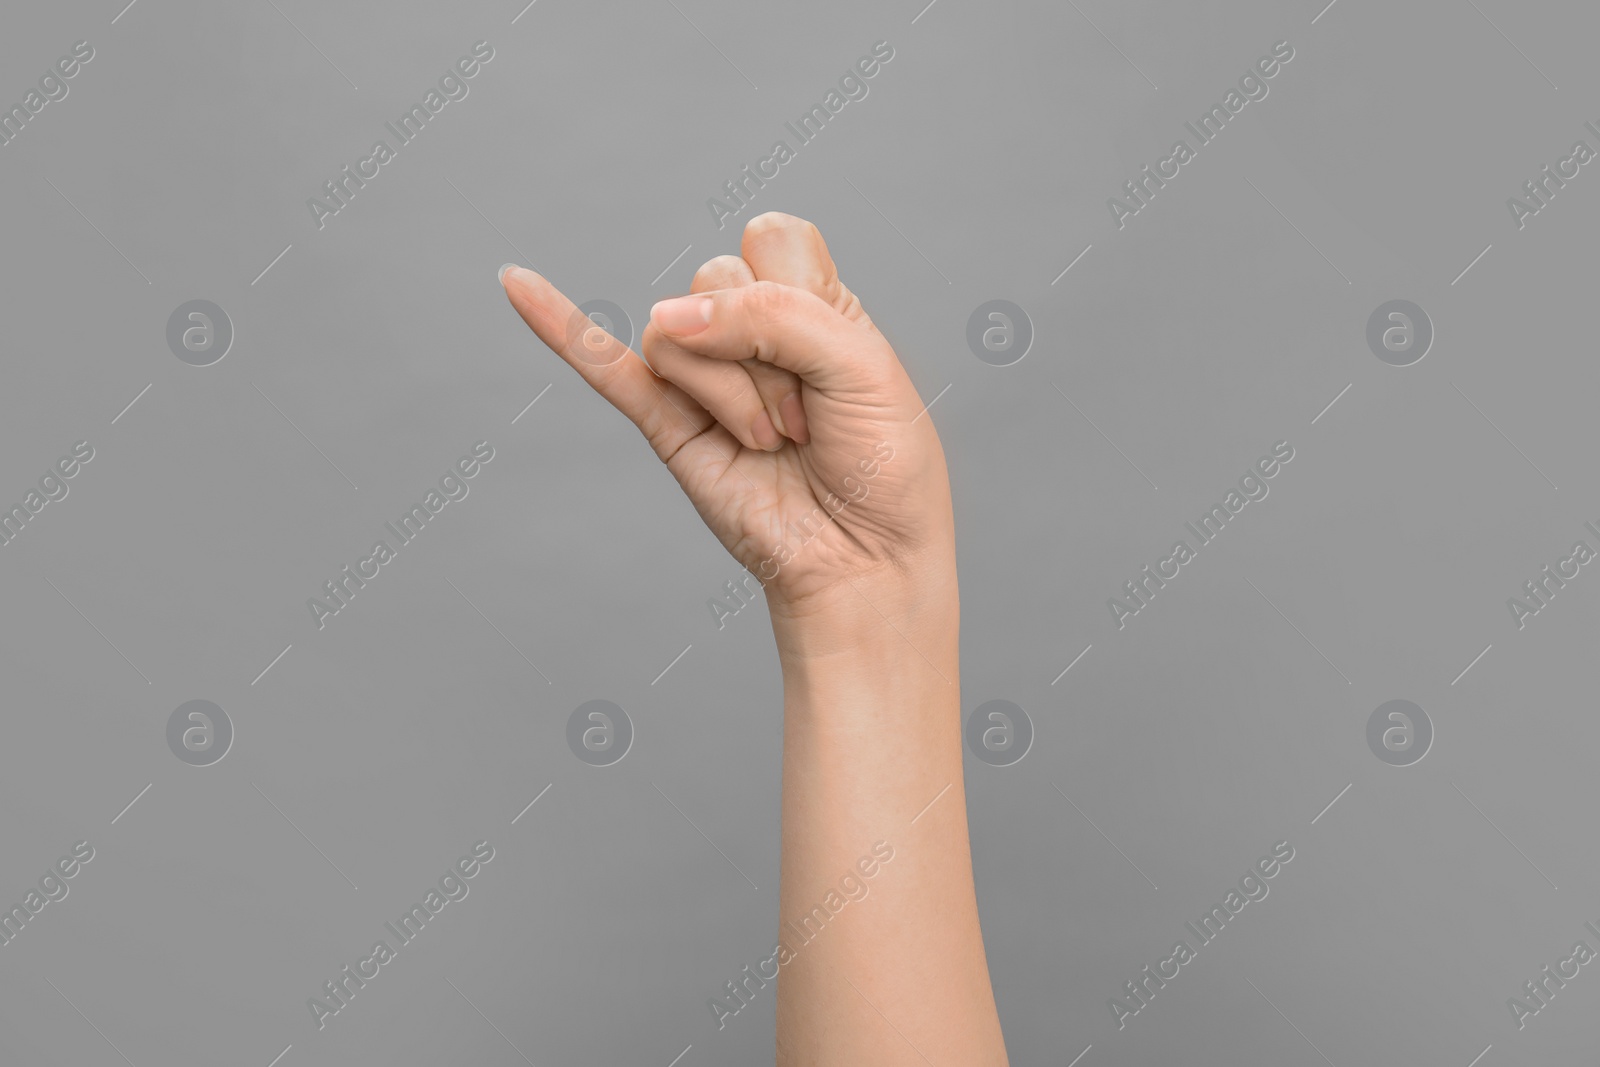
(783, 413)
(790, 423)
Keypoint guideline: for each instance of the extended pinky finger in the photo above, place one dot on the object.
(666, 415)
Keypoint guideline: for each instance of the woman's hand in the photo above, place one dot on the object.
(789, 421)
(783, 413)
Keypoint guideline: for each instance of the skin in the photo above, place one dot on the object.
(781, 409)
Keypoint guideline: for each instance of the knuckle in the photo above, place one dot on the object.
(770, 380)
(655, 347)
(719, 269)
(739, 401)
(767, 301)
(768, 221)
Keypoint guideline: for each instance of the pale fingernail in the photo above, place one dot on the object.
(765, 433)
(682, 315)
(503, 268)
(793, 413)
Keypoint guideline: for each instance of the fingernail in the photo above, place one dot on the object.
(793, 413)
(682, 315)
(505, 267)
(765, 433)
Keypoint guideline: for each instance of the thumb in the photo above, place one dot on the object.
(783, 326)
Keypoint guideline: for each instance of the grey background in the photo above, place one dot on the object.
(1220, 320)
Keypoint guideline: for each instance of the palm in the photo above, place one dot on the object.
(810, 515)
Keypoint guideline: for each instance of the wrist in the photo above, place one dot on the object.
(901, 622)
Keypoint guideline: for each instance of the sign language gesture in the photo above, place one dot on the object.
(788, 420)
(782, 411)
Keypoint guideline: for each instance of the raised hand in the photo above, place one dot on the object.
(790, 423)
(782, 411)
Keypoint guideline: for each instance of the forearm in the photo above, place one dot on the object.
(872, 763)
(881, 958)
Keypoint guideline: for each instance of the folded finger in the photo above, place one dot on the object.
(723, 388)
(722, 272)
(789, 250)
(786, 327)
(779, 389)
